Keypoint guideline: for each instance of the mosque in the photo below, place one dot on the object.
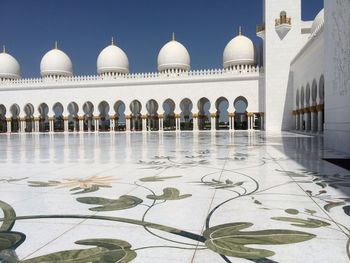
(297, 80)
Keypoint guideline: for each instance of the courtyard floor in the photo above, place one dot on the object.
(172, 197)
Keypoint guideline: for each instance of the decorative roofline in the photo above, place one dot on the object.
(312, 38)
(245, 70)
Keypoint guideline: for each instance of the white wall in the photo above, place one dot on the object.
(337, 61)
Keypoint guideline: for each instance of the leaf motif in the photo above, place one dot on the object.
(292, 211)
(157, 178)
(9, 216)
(311, 212)
(230, 241)
(347, 210)
(169, 194)
(124, 202)
(91, 189)
(43, 184)
(106, 251)
(309, 223)
(11, 240)
(331, 205)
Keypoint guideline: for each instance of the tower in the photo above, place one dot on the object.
(282, 38)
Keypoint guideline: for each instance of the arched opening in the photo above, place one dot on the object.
(297, 100)
(73, 118)
(321, 99)
(302, 104)
(136, 118)
(204, 122)
(44, 125)
(314, 104)
(241, 116)
(88, 109)
(186, 123)
(119, 117)
(3, 121)
(29, 118)
(169, 115)
(104, 121)
(152, 118)
(15, 120)
(283, 17)
(308, 113)
(58, 123)
(222, 118)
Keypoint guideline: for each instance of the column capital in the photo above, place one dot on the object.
(177, 116)
(320, 107)
(160, 116)
(8, 119)
(144, 117)
(313, 109)
(250, 114)
(51, 118)
(213, 115)
(96, 118)
(231, 114)
(65, 118)
(128, 117)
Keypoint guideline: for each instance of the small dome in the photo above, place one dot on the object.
(318, 22)
(173, 55)
(9, 67)
(56, 63)
(112, 59)
(239, 51)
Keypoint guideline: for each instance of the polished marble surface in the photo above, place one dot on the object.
(172, 197)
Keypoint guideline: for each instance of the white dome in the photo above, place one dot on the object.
(173, 55)
(9, 67)
(239, 51)
(318, 22)
(56, 63)
(112, 59)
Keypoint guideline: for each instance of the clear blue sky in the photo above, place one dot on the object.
(84, 27)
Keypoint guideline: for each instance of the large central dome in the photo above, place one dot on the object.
(56, 63)
(173, 56)
(239, 51)
(113, 60)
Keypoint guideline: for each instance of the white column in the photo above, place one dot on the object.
(111, 123)
(249, 122)
(81, 124)
(195, 122)
(301, 120)
(144, 122)
(51, 124)
(160, 123)
(65, 124)
(8, 125)
(320, 121)
(213, 121)
(313, 128)
(96, 124)
(127, 122)
(36, 124)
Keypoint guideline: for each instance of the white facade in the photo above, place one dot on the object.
(290, 92)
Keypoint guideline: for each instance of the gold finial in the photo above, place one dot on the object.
(113, 41)
(56, 45)
(240, 30)
(3, 49)
(173, 36)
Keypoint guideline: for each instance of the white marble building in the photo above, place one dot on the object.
(302, 83)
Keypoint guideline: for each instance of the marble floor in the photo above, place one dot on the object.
(172, 197)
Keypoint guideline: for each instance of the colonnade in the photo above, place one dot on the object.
(310, 119)
(253, 121)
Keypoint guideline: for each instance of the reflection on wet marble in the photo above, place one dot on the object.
(172, 197)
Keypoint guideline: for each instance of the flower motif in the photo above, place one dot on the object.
(87, 185)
